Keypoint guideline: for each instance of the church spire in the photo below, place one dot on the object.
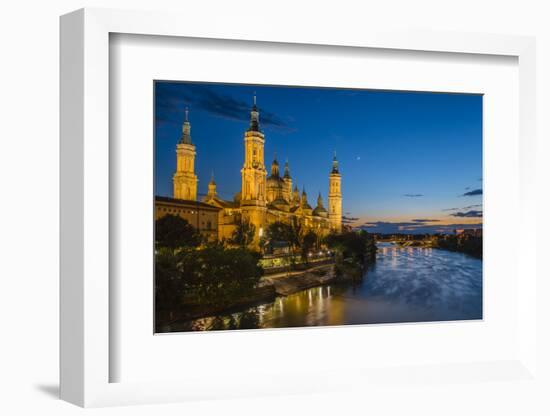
(334, 164)
(319, 200)
(186, 129)
(211, 187)
(287, 170)
(335, 197)
(254, 117)
(275, 167)
(185, 180)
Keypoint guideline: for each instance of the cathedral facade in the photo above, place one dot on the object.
(265, 197)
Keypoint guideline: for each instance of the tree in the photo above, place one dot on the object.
(168, 288)
(309, 241)
(358, 247)
(172, 231)
(243, 235)
(190, 280)
(296, 234)
(290, 234)
(218, 276)
(278, 231)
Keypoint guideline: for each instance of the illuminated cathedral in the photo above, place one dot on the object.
(263, 199)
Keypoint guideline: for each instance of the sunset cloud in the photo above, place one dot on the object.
(473, 193)
(468, 214)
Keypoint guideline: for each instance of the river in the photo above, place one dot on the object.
(412, 284)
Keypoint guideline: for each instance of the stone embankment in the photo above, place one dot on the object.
(288, 283)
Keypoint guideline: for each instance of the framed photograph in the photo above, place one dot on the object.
(246, 247)
(269, 197)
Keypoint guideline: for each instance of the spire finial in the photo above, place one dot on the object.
(212, 176)
(254, 117)
(287, 169)
(186, 128)
(334, 164)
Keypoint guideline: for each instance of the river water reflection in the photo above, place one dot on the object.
(411, 284)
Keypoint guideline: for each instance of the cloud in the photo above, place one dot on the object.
(463, 208)
(413, 195)
(468, 214)
(411, 227)
(423, 220)
(172, 98)
(348, 220)
(473, 193)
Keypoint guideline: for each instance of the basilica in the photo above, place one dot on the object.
(263, 199)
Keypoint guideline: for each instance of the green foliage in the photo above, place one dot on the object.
(290, 234)
(172, 231)
(249, 319)
(356, 247)
(310, 240)
(243, 235)
(279, 231)
(212, 275)
(168, 288)
(468, 244)
(217, 276)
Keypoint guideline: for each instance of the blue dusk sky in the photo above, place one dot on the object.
(410, 161)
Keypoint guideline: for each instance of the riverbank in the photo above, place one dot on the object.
(470, 245)
(271, 286)
(286, 284)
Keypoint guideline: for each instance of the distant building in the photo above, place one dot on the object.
(474, 232)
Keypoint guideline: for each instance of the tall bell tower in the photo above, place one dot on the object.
(184, 180)
(253, 173)
(335, 197)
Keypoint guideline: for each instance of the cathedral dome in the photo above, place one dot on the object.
(281, 204)
(275, 181)
(320, 212)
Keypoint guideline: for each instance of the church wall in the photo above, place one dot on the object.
(204, 220)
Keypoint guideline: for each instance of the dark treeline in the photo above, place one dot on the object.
(463, 243)
(194, 277)
(354, 251)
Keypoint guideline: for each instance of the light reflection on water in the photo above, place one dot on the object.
(404, 285)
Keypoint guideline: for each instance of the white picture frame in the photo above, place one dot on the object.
(85, 216)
